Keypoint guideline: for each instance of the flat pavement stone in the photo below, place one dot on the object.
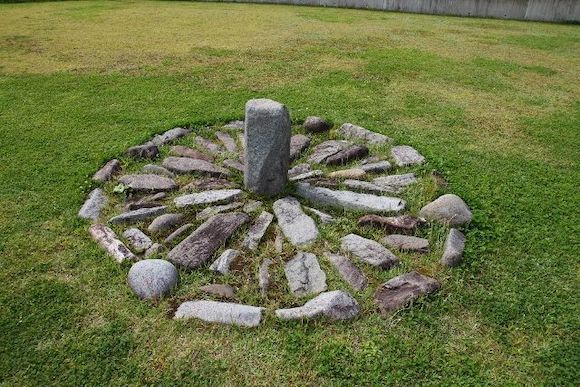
(369, 251)
(299, 228)
(399, 291)
(220, 312)
(304, 275)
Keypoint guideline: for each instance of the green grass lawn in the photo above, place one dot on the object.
(494, 105)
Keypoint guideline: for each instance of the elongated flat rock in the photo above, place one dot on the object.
(177, 233)
(354, 131)
(157, 170)
(399, 291)
(395, 183)
(402, 223)
(322, 216)
(137, 215)
(369, 251)
(145, 151)
(107, 239)
(209, 183)
(165, 223)
(208, 212)
(405, 155)
(212, 147)
(137, 239)
(348, 271)
(453, 248)
(349, 200)
(364, 186)
(264, 276)
(257, 230)
(304, 275)
(208, 197)
(299, 169)
(406, 243)
(375, 167)
(198, 248)
(224, 261)
(326, 149)
(183, 151)
(220, 312)
(148, 183)
(107, 171)
(448, 209)
(227, 140)
(234, 164)
(298, 144)
(187, 165)
(335, 305)
(353, 152)
(92, 207)
(307, 175)
(168, 136)
(299, 228)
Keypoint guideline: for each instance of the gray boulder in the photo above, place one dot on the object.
(219, 290)
(399, 291)
(92, 207)
(225, 260)
(335, 305)
(151, 279)
(304, 275)
(316, 125)
(220, 312)
(453, 248)
(447, 209)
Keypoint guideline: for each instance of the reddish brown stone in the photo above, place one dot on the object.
(399, 291)
(353, 152)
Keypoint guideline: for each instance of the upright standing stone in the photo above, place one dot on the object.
(267, 153)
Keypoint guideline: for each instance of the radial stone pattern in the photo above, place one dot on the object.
(226, 202)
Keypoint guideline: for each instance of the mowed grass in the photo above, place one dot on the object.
(494, 105)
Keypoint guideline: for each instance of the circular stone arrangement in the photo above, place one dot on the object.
(258, 202)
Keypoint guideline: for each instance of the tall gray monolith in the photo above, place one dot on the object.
(267, 153)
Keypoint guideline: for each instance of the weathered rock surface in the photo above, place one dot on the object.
(92, 207)
(197, 248)
(137, 239)
(252, 206)
(146, 151)
(209, 183)
(220, 312)
(220, 290)
(212, 147)
(107, 239)
(107, 171)
(307, 175)
(299, 228)
(453, 248)
(335, 305)
(279, 240)
(264, 276)
(157, 170)
(165, 223)
(227, 140)
(353, 131)
(299, 169)
(257, 230)
(267, 152)
(406, 243)
(152, 279)
(376, 167)
(348, 271)
(304, 275)
(234, 164)
(208, 212)
(168, 136)
(224, 261)
(404, 155)
(183, 151)
(148, 182)
(326, 149)
(448, 209)
(237, 124)
(364, 186)
(137, 215)
(353, 173)
(403, 223)
(323, 216)
(155, 249)
(395, 183)
(187, 165)
(208, 197)
(298, 144)
(316, 125)
(399, 291)
(177, 233)
(348, 200)
(369, 251)
(353, 152)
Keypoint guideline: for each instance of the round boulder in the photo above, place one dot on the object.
(152, 278)
(316, 125)
(448, 209)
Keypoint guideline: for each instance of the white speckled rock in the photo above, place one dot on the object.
(151, 279)
(257, 230)
(335, 305)
(353, 131)
(92, 207)
(453, 249)
(221, 312)
(299, 228)
(137, 239)
(208, 197)
(224, 261)
(405, 155)
(304, 275)
(447, 209)
(369, 251)
(168, 136)
(107, 239)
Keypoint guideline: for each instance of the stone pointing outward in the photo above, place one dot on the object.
(395, 183)
(448, 209)
(157, 170)
(208, 197)
(223, 263)
(168, 136)
(137, 239)
(107, 171)
(399, 291)
(151, 279)
(353, 131)
(453, 249)
(406, 243)
(208, 212)
(369, 251)
(199, 247)
(335, 305)
(257, 230)
(402, 223)
(353, 152)
(183, 151)
(267, 152)
(145, 151)
(188, 165)
(304, 275)
(405, 155)
(326, 149)
(298, 227)
(227, 140)
(220, 312)
(348, 271)
(348, 200)
(148, 182)
(264, 276)
(107, 239)
(92, 207)
(137, 215)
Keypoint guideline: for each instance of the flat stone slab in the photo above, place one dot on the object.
(212, 147)
(364, 186)
(145, 151)
(453, 248)
(323, 216)
(168, 136)
(306, 175)
(209, 183)
(399, 291)
(298, 144)
(264, 276)
(138, 215)
(188, 165)
(151, 279)
(208, 212)
(252, 206)
(257, 230)
(304, 275)
(299, 228)
(395, 183)
(314, 124)
(334, 305)
(224, 261)
(353, 152)
(405, 155)
(299, 169)
(157, 170)
(208, 197)
(406, 243)
(164, 223)
(397, 224)
(183, 151)
(107, 239)
(352, 173)
(369, 251)
(447, 209)
(348, 271)
(148, 183)
(198, 248)
(348, 200)
(376, 167)
(137, 239)
(354, 131)
(155, 249)
(220, 312)
(234, 164)
(94, 204)
(107, 171)
(227, 140)
(326, 149)
(177, 233)
(219, 290)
